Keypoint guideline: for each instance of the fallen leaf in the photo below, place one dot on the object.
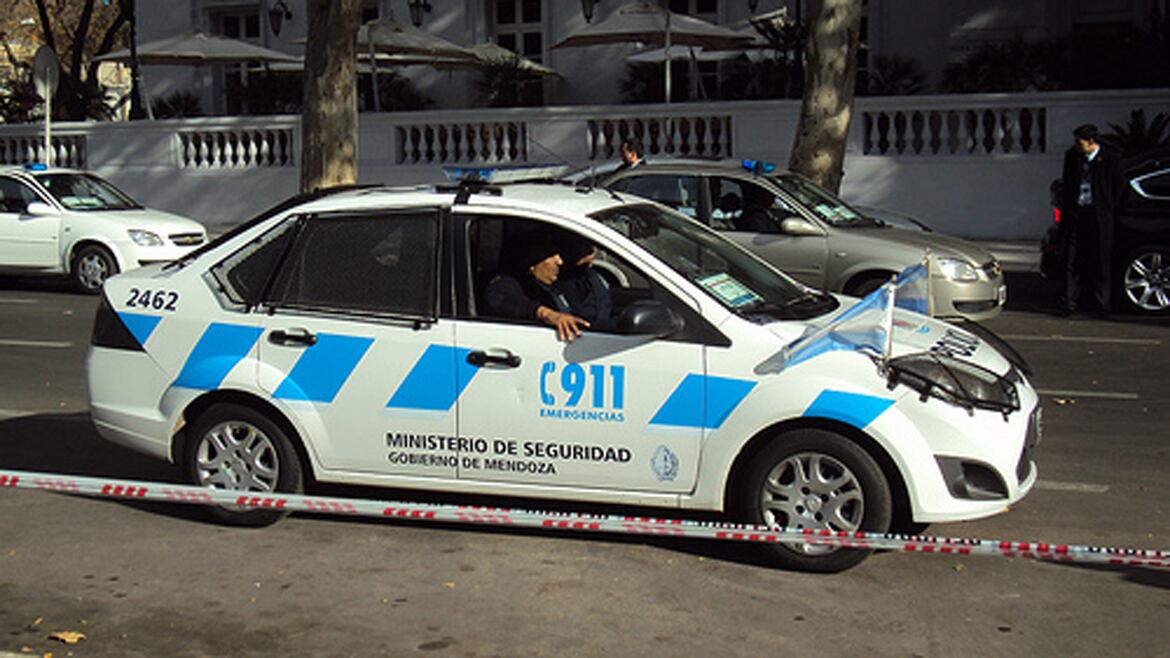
(68, 637)
(449, 585)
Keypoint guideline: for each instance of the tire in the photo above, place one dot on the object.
(262, 460)
(1144, 280)
(91, 266)
(864, 286)
(780, 491)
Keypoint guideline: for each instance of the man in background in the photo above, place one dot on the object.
(1092, 187)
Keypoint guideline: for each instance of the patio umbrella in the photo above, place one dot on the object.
(647, 23)
(387, 35)
(197, 49)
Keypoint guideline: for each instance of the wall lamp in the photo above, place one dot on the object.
(418, 10)
(587, 7)
(277, 15)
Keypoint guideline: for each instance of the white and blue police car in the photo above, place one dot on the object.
(343, 337)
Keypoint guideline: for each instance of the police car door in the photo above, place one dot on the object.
(598, 412)
(354, 346)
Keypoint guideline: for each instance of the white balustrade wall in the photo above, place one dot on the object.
(972, 165)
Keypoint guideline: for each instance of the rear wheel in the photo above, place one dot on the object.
(819, 480)
(91, 266)
(1145, 279)
(235, 448)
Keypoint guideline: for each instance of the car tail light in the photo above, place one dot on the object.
(1055, 215)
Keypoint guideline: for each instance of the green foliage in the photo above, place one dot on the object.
(268, 93)
(179, 105)
(896, 75)
(1125, 58)
(505, 83)
(396, 92)
(18, 101)
(1015, 65)
(755, 80)
(1138, 135)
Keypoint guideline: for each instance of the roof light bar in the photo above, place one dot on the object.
(505, 173)
(758, 167)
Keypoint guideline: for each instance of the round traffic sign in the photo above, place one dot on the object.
(46, 71)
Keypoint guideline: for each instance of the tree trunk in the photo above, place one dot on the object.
(818, 151)
(329, 118)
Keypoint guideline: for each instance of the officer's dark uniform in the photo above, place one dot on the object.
(515, 293)
(582, 287)
(1091, 190)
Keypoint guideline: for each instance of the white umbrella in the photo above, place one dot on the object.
(644, 22)
(197, 49)
(491, 51)
(387, 35)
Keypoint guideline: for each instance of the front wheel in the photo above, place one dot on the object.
(91, 266)
(1145, 280)
(235, 448)
(819, 480)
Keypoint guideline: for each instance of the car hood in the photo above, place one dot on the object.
(914, 333)
(147, 219)
(937, 243)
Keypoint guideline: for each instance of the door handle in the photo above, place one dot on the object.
(479, 358)
(296, 336)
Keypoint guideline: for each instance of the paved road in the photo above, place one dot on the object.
(149, 580)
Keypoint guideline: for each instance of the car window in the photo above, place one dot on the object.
(1156, 185)
(678, 192)
(493, 238)
(730, 275)
(738, 205)
(382, 263)
(821, 202)
(85, 192)
(243, 276)
(15, 195)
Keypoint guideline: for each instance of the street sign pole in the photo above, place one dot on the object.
(46, 75)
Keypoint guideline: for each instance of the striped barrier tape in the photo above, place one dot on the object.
(599, 523)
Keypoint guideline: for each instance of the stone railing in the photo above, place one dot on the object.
(454, 143)
(235, 148)
(955, 131)
(68, 150)
(682, 136)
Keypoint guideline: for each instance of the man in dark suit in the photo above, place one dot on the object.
(1092, 187)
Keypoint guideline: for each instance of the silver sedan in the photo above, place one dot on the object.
(816, 237)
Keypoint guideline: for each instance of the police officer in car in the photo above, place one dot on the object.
(525, 291)
(583, 288)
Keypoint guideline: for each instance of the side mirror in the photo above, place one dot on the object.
(39, 209)
(800, 226)
(649, 318)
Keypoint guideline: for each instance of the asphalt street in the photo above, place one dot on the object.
(143, 579)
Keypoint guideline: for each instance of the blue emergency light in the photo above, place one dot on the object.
(35, 166)
(757, 167)
(504, 173)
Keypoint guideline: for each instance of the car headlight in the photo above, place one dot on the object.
(956, 269)
(145, 238)
(958, 382)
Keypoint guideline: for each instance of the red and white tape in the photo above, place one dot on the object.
(550, 520)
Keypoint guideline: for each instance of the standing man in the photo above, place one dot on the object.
(631, 154)
(1092, 186)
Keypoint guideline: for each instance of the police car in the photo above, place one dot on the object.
(344, 338)
(63, 221)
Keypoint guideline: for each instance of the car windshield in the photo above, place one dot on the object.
(85, 192)
(735, 278)
(820, 201)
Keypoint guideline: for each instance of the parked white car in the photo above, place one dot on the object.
(352, 338)
(62, 221)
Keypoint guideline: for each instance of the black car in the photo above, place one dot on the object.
(1141, 239)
